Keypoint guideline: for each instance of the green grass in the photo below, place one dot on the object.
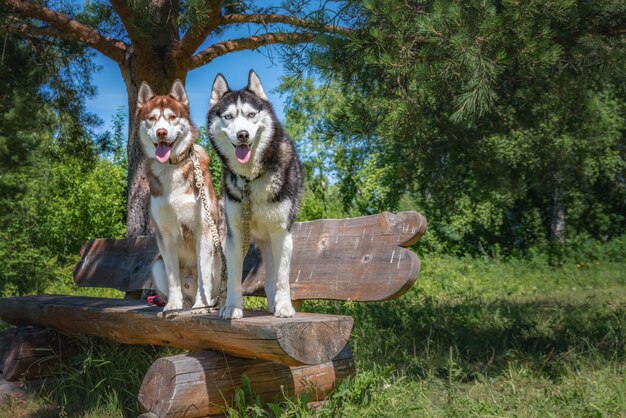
(492, 338)
(472, 337)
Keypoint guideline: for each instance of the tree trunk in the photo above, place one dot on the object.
(159, 71)
(557, 216)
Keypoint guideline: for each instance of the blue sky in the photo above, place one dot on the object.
(235, 67)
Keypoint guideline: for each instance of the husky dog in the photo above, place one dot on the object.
(187, 273)
(254, 149)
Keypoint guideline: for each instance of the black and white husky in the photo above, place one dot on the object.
(254, 149)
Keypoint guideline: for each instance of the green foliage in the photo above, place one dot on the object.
(112, 145)
(489, 117)
(246, 403)
(307, 107)
(62, 206)
(102, 379)
(215, 164)
(55, 191)
(74, 204)
(482, 336)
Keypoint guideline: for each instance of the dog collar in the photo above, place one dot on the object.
(184, 155)
(246, 180)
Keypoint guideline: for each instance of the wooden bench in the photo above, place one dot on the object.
(361, 259)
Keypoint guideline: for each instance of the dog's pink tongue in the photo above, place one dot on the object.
(162, 152)
(242, 152)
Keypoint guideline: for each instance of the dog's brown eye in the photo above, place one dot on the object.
(251, 115)
(152, 118)
(172, 117)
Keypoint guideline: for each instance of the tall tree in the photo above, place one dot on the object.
(503, 120)
(158, 41)
(54, 190)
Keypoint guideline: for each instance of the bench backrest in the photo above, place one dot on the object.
(359, 259)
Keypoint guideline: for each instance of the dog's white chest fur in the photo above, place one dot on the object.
(177, 204)
(267, 216)
(184, 242)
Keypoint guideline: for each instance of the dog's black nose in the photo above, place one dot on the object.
(243, 136)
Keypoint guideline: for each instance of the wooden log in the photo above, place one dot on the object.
(32, 353)
(305, 339)
(203, 383)
(359, 259)
(122, 264)
(10, 390)
(20, 390)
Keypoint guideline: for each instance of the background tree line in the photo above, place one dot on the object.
(60, 184)
(503, 122)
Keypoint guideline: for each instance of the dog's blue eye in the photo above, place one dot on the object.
(251, 114)
(227, 117)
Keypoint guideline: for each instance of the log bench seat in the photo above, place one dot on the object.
(361, 259)
(307, 338)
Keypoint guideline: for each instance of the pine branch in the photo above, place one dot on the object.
(250, 43)
(151, 24)
(67, 28)
(24, 30)
(195, 35)
(618, 30)
(126, 16)
(265, 19)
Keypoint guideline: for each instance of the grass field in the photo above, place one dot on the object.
(472, 338)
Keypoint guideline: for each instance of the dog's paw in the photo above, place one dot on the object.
(200, 310)
(231, 312)
(172, 306)
(284, 311)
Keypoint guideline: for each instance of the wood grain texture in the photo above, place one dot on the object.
(304, 339)
(359, 259)
(122, 264)
(32, 353)
(202, 383)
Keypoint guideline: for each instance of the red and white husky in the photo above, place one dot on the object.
(188, 271)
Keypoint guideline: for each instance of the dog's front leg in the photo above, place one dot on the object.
(168, 246)
(205, 252)
(282, 247)
(233, 309)
(270, 273)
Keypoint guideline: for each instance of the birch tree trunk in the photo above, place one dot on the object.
(557, 215)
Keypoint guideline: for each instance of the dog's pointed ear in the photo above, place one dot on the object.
(220, 88)
(254, 85)
(145, 93)
(178, 92)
